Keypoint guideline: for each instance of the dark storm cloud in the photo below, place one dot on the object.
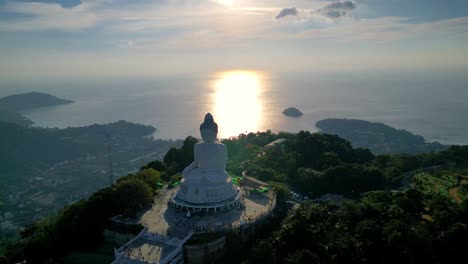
(289, 11)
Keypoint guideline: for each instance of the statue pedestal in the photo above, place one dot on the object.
(207, 207)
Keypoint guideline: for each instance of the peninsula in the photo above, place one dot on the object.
(378, 137)
(18, 102)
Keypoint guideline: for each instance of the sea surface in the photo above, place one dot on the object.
(433, 104)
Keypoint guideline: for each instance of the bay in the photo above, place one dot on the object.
(433, 104)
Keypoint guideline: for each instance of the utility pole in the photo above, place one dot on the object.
(109, 154)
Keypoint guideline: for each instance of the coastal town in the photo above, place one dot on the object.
(69, 181)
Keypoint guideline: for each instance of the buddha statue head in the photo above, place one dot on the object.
(209, 129)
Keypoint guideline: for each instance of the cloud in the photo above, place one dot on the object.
(63, 3)
(387, 29)
(289, 11)
(34, 16)
(348, 5)
(336, 9)
(418, 10)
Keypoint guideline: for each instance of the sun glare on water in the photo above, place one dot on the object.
(237, 107)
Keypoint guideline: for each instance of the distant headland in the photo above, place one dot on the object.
(10, 105)
(18, 102)
(378, 137)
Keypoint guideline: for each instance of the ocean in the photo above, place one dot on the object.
(433, 104)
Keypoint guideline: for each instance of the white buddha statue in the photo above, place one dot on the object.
(205, 180)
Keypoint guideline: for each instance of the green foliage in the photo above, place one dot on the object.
(317, 164)
(381, 227)
(133, 195)
(175, 178)
(149, 176)
(281, 189)
(177, 159)
(156, 165)
(351, 179)
(80, 226)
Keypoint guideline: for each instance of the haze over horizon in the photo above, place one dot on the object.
(44, 39)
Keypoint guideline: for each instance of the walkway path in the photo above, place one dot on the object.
(454, 193)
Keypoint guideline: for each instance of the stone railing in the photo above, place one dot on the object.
(120, 256)
(177, 251)
(241, 224)
(172, 241)
(120, 252)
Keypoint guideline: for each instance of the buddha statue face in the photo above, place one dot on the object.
(209, 129)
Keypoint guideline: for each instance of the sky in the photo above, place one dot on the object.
(43, 39)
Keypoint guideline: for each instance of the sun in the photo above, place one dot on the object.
(237, 105)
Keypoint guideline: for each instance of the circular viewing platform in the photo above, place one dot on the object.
(228, 204)
(169, 217)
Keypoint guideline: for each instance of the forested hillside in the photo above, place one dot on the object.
(383, 220)
(379, 138)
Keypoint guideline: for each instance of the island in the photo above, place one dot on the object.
(378, 137)
(292, 112)
(18, 102)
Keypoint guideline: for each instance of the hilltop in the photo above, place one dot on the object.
(378, 137)
(377, 223)
(31, 100)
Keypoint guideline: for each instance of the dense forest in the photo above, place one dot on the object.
(380, 227)
(383, 221)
